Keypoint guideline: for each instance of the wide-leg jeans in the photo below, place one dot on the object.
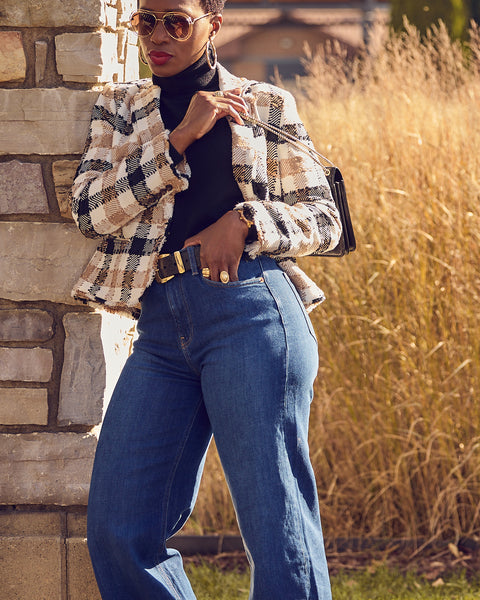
(237, 360)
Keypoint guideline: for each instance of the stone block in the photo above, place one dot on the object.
(25, 325)
(90, 56)
(130, 66)
(23, 406)
(22, 189)
(46, 468)
(44, 121)
(13, 64)
(52, 13)
(14, 523)
(41, 261)
(125, 9)
(31, 567)
(118, 335)
(111, 14)
(82, 384)
(63, 175)
(25, 364)
(41, 51)
(128, 55)
(122, 41)
(76, 525)
(80, 577)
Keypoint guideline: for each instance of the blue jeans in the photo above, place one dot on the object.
(237, 360)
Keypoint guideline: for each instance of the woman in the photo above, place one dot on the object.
(200, 217)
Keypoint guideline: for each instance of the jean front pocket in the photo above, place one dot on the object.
(249, 273)
(234, 284)
(301, 306)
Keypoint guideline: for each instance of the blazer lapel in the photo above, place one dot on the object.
(249, 149)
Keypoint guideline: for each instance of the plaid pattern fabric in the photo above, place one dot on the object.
(125, 187)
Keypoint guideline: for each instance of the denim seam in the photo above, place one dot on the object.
(182, 345)
(304, 548)
(232, 284)
(302, 307)
(299, 521)
(168, 580)
(168, 487)
(187, 315)
(280, 314)
(298, 518)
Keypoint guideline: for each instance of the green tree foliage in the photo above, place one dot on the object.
(424, 13)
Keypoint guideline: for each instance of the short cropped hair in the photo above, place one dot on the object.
(213, 6)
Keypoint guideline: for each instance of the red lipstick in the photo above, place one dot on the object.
(159, 58)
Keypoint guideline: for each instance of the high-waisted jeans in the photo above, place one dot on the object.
(237, 360)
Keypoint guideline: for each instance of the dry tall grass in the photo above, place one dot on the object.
(395, 438)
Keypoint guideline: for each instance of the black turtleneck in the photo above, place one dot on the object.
(212, 190)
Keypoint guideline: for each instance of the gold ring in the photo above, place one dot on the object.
(224, 277)
(206, 272)
(219, 94)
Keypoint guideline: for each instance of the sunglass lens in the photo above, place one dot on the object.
(143, 23)
(177, 26)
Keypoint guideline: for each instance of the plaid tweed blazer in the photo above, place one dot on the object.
(124, 191)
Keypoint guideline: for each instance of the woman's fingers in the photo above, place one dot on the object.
(217, 272)
(204, 110)
(228, 105)
(221, 246)
(234, 101)
(218, 263)
(230, 111)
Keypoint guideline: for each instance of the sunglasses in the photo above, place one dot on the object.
(179, 26)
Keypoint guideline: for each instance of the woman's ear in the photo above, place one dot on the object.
(216, 23)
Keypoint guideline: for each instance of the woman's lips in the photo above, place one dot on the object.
(159, 58)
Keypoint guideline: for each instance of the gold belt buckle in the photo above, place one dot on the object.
(180, 266)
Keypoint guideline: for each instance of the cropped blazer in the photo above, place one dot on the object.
(124, 191)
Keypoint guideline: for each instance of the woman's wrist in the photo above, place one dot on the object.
(237, 223)
(248, 222)
(179, 139)
(248, 225)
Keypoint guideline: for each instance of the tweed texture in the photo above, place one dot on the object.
(125, 186)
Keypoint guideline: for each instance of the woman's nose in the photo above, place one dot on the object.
(159, 34)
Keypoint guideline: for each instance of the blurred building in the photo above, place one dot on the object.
(259, 37)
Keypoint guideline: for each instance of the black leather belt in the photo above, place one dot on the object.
(169, 265)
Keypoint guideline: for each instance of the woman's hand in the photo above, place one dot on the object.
(221, 245)
(205, 109)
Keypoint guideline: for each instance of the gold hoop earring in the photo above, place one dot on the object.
(211, 54)
(141, 55)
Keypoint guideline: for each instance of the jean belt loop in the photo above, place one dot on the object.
(192, 259)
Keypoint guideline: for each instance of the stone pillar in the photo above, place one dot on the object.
(55, 376)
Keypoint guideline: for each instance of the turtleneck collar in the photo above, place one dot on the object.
(195, 77)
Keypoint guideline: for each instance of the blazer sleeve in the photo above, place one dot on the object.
(301, 218)
(126, 167)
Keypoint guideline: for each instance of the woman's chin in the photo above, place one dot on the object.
(162, 68)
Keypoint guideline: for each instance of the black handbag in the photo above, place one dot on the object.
(334, 177)
(347, 241)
